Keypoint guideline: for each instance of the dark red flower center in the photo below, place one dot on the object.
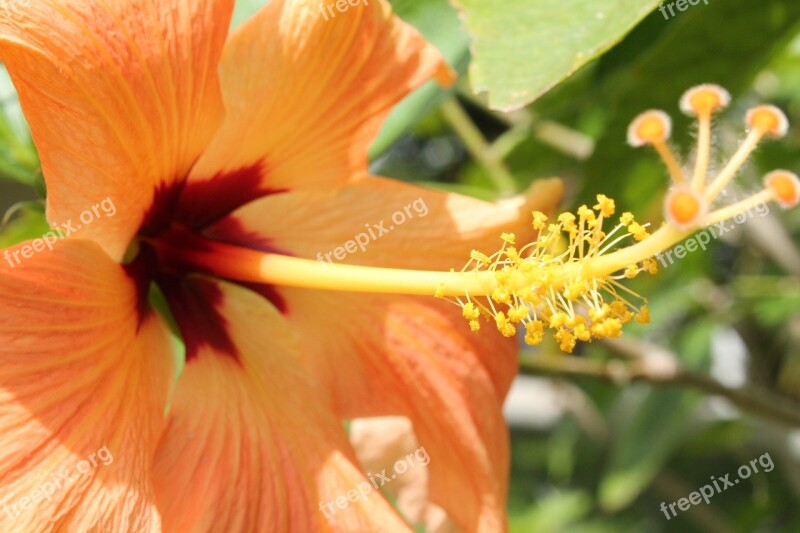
(179, 220)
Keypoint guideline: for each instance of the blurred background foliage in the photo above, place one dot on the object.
(601, 438)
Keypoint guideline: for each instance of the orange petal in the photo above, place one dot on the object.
(252, 442)
(121, 98)
(84, 381)
(382, 355)
(382, 222)
(305, 97)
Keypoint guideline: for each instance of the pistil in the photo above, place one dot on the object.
(569, 279)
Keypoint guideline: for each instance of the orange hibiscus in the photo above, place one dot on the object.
(204, 143)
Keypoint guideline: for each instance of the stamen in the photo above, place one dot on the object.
(702, 101)
(559, 289)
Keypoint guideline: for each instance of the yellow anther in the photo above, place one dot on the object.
(558, 320)
(534, 332)
(566, 340)
(474, 325)
(513, 254)
(626, 218)
(567, 221)
(517, 314)
(539, 220)
(575, 321)
(638, 231)
(613, 327)
(504, 326)
(501, 295)
(575, 289)
(650, 265)
(632, 271)
(599, 314)
(585, 213)
(605, 205)
(527, 295)
(643, 316)
(785, 187)
(480, 257)
(503, 276)
(621, 310)
(510, 238)
(581, 333)
(470, 312)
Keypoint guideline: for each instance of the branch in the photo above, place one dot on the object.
(661, 372)
(478, 146)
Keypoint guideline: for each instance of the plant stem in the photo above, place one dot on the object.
(478, 146)
(751, 399)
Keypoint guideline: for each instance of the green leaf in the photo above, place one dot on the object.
(556, 512)
(245, 9)
(29, 223)
(18, 158)
(523, 48)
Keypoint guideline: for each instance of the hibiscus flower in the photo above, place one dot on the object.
(207, 145)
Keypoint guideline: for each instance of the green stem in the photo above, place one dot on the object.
(478, 146)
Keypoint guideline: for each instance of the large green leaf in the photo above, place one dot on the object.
(522, 48)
